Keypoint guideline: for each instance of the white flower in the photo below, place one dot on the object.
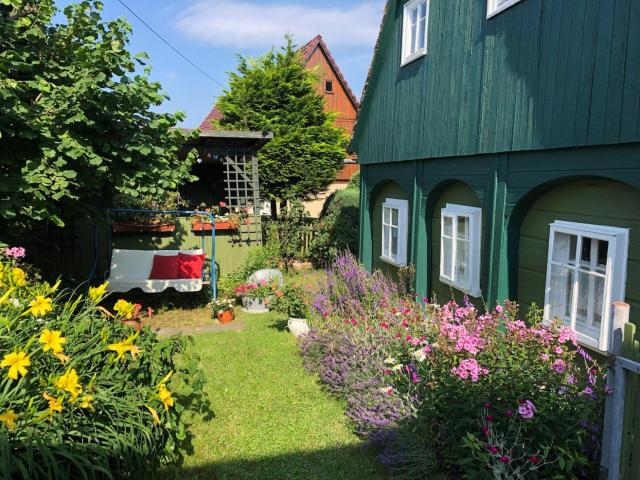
(397, 367)
(420, 355)
(390, 360)
(386, 390)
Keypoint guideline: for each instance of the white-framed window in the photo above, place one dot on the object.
(460, 242)
(395, 226)
(415, 26)
(494, 7)
(586, 272)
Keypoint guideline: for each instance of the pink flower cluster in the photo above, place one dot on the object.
(15, 252)
(567, 335)
(469, 368)
(527, 409)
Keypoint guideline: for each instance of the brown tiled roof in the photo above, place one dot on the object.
(307, 50)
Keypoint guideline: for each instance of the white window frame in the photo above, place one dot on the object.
(407, 56)
(494, 9)
(402, 206)
(615, 276)
(474, 214)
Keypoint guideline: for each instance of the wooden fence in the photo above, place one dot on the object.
(630, 452)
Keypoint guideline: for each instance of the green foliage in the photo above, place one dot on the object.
(290, 232)
(79, 409)
(76, 125)
(267, 256)
(338, 229)
(276, 93)
(292, 301)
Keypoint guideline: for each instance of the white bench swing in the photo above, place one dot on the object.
(129, 269)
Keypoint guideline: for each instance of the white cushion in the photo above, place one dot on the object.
(156, 286)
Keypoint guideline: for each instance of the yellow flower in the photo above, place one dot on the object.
(18, 276)
(52, 340)
(125, 309)
(55, 404)
(40, 306)
(96, 293)
(55, 286)
(69, 382)
(5, 297)
(134, 350)
(165, 396)
(9, 419)
(86, 402)
(62, 357)
(154, 414)
(121, 348)
(17, 363)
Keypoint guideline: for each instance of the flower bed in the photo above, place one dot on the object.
(448, 387)
(82, 395)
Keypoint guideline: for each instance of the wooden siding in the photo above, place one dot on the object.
(389, 190)
(596, 201)
(461, 194)
(337, 101)
(542, 74)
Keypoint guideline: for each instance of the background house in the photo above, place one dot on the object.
(339, 98)
(499, 142)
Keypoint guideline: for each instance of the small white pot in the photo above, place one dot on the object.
(253, 305)
(298, 326)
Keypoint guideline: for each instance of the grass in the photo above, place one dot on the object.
(271, 418)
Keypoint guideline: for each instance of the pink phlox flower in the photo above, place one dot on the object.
(558, 350)
(515, 326)
(527, 409)
(415, 341)
(499, 309)
(469, 368)
(470, 343)
(544, 357)
(567, 335)
(559, 366)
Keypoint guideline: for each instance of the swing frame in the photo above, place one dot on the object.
(213, 276)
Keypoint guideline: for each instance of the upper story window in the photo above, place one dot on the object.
(395, 226)
(414, 30)
(494, 7)
(586, 272)
(460, 242)
(328, 86)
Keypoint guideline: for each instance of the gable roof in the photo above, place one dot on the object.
(307, 51)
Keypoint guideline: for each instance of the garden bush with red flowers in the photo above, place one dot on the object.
(476, 394)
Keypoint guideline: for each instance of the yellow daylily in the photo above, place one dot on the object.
(62, 357)
(69, 383)
(55, 404)
(55, 286)
(96, 293)
(40, 306)
(6, 295)
(9, 419)
(125, 309)
(154, 414)
(18, 276)
(52, 340)
(121, 348)
(86, 402)
(165, 396)
(17, 363)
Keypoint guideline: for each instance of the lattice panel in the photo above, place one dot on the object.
(243, 190)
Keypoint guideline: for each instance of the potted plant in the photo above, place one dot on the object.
(222, 309)
(225, 218)
(129, 314)
(292, 302)
(137, 222)
(255, 296)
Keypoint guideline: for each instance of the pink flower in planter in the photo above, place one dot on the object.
(222, 205)
(527, 409)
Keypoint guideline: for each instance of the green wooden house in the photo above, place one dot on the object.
(499, 142)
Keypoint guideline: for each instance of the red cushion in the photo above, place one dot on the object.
(190, 266)
(165, 267)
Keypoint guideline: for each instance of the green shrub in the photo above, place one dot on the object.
(338, 229)
(81, 395)
(267, 256)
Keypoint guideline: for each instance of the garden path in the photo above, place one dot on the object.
(272, 420)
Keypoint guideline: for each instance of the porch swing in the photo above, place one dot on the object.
(143, 269)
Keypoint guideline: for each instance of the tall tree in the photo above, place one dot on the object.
(276, 93)
(76, 126)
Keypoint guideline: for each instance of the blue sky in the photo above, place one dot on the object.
(212, 32)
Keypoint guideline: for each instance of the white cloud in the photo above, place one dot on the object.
(254, 23)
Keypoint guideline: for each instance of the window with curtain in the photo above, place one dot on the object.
(414, 30)
(460, 245)
(395, 222)
(586, 272)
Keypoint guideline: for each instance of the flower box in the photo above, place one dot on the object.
(137, 227)
(206, 226)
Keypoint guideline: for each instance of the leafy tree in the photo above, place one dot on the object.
(276, 93)
(76, 125)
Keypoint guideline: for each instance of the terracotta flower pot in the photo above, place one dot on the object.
(206, 226)
(226, 317)
(153, 227)
(134, 323)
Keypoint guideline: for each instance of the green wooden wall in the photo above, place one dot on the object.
(461, 194)
(542, 74)
(388, 190)
(595, 201)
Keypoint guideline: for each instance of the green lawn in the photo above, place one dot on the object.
(272, 420)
